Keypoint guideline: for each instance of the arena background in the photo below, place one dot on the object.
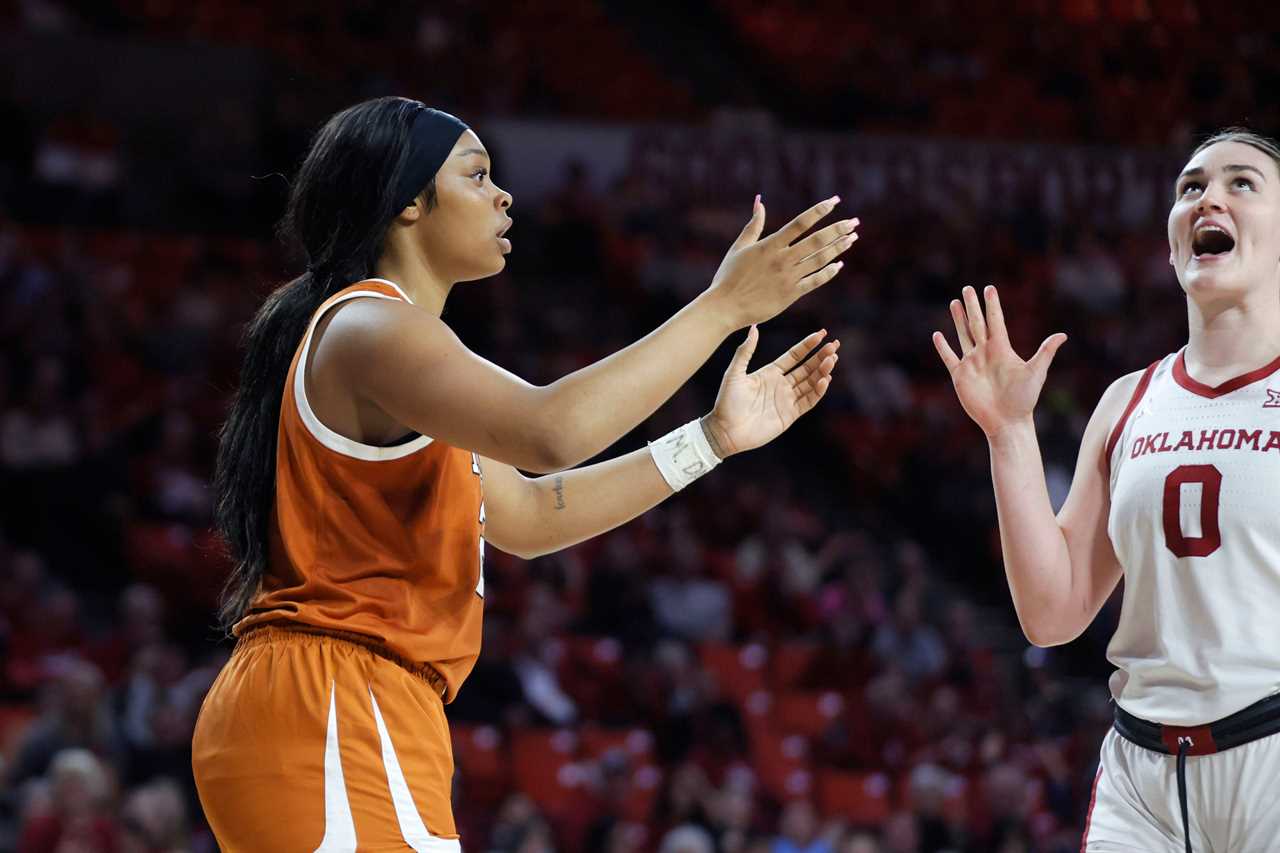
(811, 650)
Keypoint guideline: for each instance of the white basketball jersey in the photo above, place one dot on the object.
(1195, 521)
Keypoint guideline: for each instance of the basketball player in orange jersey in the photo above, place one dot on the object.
(1176, 488)
(369, 456)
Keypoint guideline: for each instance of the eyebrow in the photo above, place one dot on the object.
(1234, 167)
(464, 152)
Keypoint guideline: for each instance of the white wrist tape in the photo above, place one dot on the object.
(683, 455)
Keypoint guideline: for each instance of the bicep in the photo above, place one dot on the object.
(1084, 516)
(410, 365)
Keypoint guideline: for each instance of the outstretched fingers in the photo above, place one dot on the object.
(813, 378)
(826, 255)
(754, 227)
(815, 280)
(949, 358)
(820, 365)
(793, 230)
(995, 314)
(1044, 356)
(977, 323)
(962, 326)
(746, 349)
(822, 238)
(799, 351)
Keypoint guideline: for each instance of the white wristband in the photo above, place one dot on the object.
(683, 455)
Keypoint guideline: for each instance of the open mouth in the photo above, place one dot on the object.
(1211, 240)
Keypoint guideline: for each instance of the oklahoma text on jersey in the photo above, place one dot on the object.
(1208, 439)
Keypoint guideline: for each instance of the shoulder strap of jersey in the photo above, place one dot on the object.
(1136, 398)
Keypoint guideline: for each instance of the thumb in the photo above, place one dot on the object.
(746, 349)
(754, 227)
(1044, 356)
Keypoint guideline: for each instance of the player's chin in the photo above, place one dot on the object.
(486, 267)
(498, 259)
(1212, 284)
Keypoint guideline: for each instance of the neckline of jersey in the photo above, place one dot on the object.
(397, 287)
(1185, 379)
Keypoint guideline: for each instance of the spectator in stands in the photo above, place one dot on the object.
(520, 828)
(908, 641)
(687, 838)
(928, 787)
(75, 715)
(154, 819)
(800, 831)
(1007, 792)
(49, 636)
(139, 622)
(41, 434)
(72, 811)
(861, 842)
(686, 604)
(900, 834)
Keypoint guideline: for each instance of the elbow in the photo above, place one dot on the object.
(526, 550)
(557, 433)
(548, 457)
(1042, 639)
(548, 448)
(1044, 634)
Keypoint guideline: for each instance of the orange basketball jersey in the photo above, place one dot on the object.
(385, 542)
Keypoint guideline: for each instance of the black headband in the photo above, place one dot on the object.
(431, 138)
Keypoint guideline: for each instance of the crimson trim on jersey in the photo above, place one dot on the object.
(1128, 410)
(1184, 379)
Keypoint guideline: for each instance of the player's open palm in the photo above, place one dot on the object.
(760, 276)
(752, 409)
(995, 386)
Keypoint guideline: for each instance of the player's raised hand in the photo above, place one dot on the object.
(760, 277)
(752, 409)
(995, 386)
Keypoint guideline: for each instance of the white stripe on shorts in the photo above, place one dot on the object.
(339, 827)
(411, 826)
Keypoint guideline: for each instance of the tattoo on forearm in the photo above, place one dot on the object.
(558, 488)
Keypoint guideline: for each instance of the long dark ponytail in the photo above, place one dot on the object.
(340, 206)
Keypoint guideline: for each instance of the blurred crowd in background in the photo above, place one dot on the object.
(810, 651)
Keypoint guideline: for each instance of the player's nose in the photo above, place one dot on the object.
(1211, 200)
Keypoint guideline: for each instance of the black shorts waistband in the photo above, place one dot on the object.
(1257, 721)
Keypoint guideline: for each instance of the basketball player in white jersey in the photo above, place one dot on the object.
(1177, 487)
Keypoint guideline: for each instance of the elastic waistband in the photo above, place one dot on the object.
(1257, 721)
(267, 632)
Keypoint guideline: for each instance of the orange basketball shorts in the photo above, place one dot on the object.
(309, 742)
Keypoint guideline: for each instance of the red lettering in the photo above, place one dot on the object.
(1164, 443)
(1206, 440)
(1210, 538)
(1230, 436)
(1186, 441)
(1243, 438)
(1138, 444)
(1272, 441)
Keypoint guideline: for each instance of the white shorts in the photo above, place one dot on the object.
(1231, 800)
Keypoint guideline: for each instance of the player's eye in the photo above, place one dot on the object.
(1242, 182)
(479, 175)
(1191, 186)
